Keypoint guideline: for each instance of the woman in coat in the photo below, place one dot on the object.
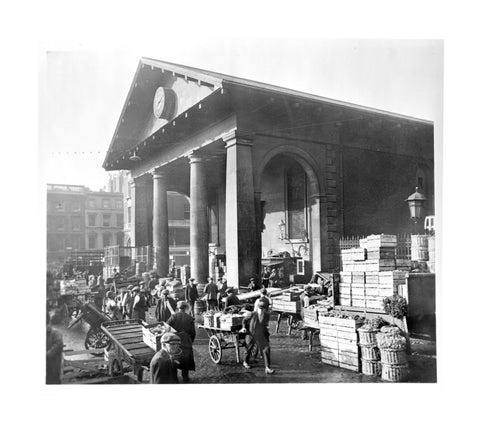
(184, 324)
(259, 331)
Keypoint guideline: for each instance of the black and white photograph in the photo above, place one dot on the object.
(208, 196)
(219, 229)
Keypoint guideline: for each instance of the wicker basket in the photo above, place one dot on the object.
(371, 368)
(394, 373)
(393, 356)
(370, 353)
(367, 337)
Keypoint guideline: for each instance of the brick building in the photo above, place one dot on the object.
(267, 170)
(81, 220)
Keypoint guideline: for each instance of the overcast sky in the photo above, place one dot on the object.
(82, 92)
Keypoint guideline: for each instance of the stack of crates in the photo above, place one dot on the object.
(365, 283)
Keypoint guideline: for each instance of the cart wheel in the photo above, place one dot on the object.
(215, 349)
(96, 339)
(295, 323)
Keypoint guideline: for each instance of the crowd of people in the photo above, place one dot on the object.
(176, 353)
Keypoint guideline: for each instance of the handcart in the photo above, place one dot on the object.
(95, 338)
(127, 346)
(221, 339)
(294, 320)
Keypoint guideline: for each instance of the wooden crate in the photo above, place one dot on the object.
(391, 277)
(286, 306)
(344, 288)
(372, 278)
(381, 253)
(345, 301)
(345, 277)
(358, 277)
(312, 323)
(310, 313)
(378, 241)
(150, 339)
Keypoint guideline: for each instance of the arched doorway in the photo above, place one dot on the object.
(290, 214)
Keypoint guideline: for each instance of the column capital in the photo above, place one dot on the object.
(158, 173)
(195, 158)
(237, 138)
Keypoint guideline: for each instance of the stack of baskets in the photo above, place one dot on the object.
(392, 354)
(370, 352)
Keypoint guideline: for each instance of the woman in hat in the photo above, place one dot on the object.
(259, 331)
(165, 307)
(184, 324)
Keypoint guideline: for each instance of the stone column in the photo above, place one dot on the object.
(139, 229)
(198, 219)
(160, 222)
(242, 249)
(315, 234)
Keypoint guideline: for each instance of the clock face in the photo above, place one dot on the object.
(159, 102)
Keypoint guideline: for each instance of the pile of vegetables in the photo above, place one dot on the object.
(390, 337)
(373, 324)
(160, 329)
(396, 306)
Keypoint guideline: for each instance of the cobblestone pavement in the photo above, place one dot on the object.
(291, 359)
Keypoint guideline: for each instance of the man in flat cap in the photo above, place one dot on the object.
(164, 364)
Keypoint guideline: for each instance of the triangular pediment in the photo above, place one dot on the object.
(177, 88)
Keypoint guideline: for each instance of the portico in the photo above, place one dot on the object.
(251, 157)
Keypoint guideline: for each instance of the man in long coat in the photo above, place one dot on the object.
(184, 324)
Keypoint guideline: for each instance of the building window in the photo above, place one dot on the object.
(119, 220)
(61, 223)
(107, 237)
(119, 204)
(105, 203)
(296, 202)
(186, 211)
(91, 203)
(76, 207)
(129, 214)
(76, 223)
(92, 241)
(92, 220)
(60, 207)
(107, 220)
(120, 239)
(179, 236)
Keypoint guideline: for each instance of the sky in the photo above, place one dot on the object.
(82, 91)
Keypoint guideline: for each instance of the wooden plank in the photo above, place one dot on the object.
(137, 328)
(135, 345)
(127, 340)
(70, 352)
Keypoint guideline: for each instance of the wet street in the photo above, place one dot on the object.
(291, 359)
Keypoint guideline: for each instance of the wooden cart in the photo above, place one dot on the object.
(222, 339)
(95, 338)
(294, 320)
(127, 346)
